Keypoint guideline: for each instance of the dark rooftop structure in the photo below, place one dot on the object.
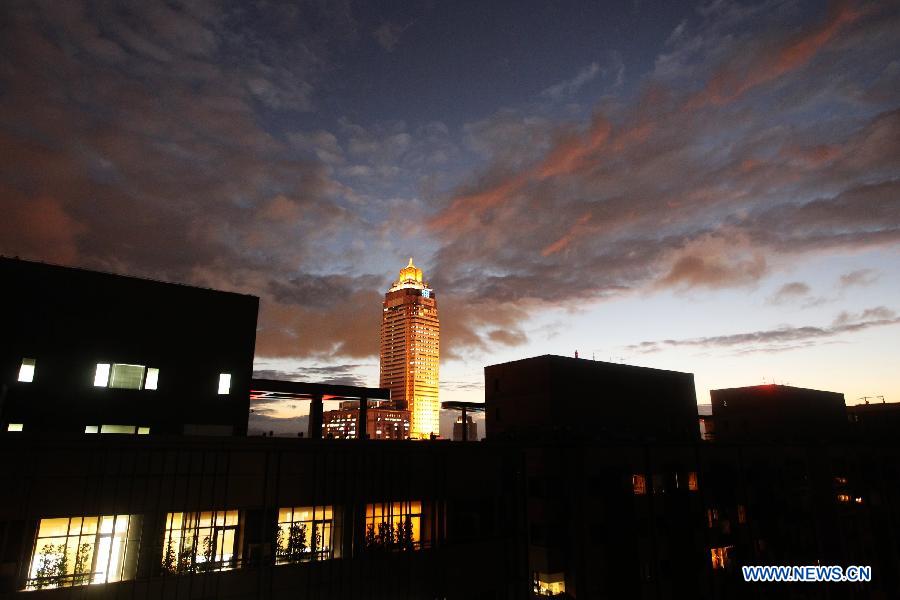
(777, 412)
(569, 398)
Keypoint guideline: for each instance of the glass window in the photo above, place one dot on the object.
(15, 427)
(152, 379)
(692, 481)
(394, 526)
(101, 376)
(128, 429)
(126, 377)
(82, 550)
(92, 429)
(719, 556)
(201, 541)
(224, 383)
(304, 533)
(639, 485)
(26, 370)
(143, 430)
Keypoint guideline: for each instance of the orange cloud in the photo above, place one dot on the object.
(731, 82)
(576, 230)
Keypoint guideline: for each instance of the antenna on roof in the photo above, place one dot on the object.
(576, 354)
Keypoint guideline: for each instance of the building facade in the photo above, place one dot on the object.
(471, 432)
(383, 422)
(410, 350)
(90, 352)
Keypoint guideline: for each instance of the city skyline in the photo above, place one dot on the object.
(706, 187)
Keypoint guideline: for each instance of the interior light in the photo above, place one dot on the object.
(26, 370)
(101, 377)
(224, 383)
(152, 378)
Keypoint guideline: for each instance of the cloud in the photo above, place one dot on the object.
(781, 338)
(388, 34)
(790, 291)
(859, 277)
(571, 86)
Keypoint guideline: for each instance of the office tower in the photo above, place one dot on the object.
(383, 422)
(410, 350)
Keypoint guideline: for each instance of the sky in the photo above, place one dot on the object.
(711, 187)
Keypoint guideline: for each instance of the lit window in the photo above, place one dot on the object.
(126, 377)
(712, 516)
(82, 550)
(719, 556)
(127, 429)
(394, 526)
(152, 379)
(201, 541)
(639, 485)
(101, 377)
(549, 584)
(143, 430)
(692, 481)
(26, 370)
(15, 427)
(843, 498)
(92, 429)
(224, 383)
(304, 533)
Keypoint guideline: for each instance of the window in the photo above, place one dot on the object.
(742, 513)
(81, 550)
(224, 383)
(304, 533)
(549, 584)
(719, 556)
(712, 516)
(92, 429)
(126, 377)
(659, 484)
(143, 430)
(639, 485)
(101, 376)
(26, 370)
(15, 427)
(692, 481)
(200, 541)
(152, 379)
(394, 526)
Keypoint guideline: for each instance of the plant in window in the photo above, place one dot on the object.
(168, 564)
(53, 566)
(82, 573)
(405, 534)
(185, 559)
(281, 553)
(385, 535)
(370, 536)
(207, 553)
(296, 541)
(317, 541)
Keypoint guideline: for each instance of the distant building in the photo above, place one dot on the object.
(568, 398)
(90, 352)
(471, 430)
(777, 412)
(410, 350)
(384, 422)
(879, 420)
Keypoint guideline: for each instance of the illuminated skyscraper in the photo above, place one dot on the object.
(410, 350)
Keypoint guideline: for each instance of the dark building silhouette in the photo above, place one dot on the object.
(569, 398)
(471, 432)
(617, 497)
(875, 421)
(777, 412)
(83, 350)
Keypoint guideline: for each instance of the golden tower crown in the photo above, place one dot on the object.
(410, 277)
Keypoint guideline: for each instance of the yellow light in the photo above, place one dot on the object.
(26, 370)
(101, 377)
